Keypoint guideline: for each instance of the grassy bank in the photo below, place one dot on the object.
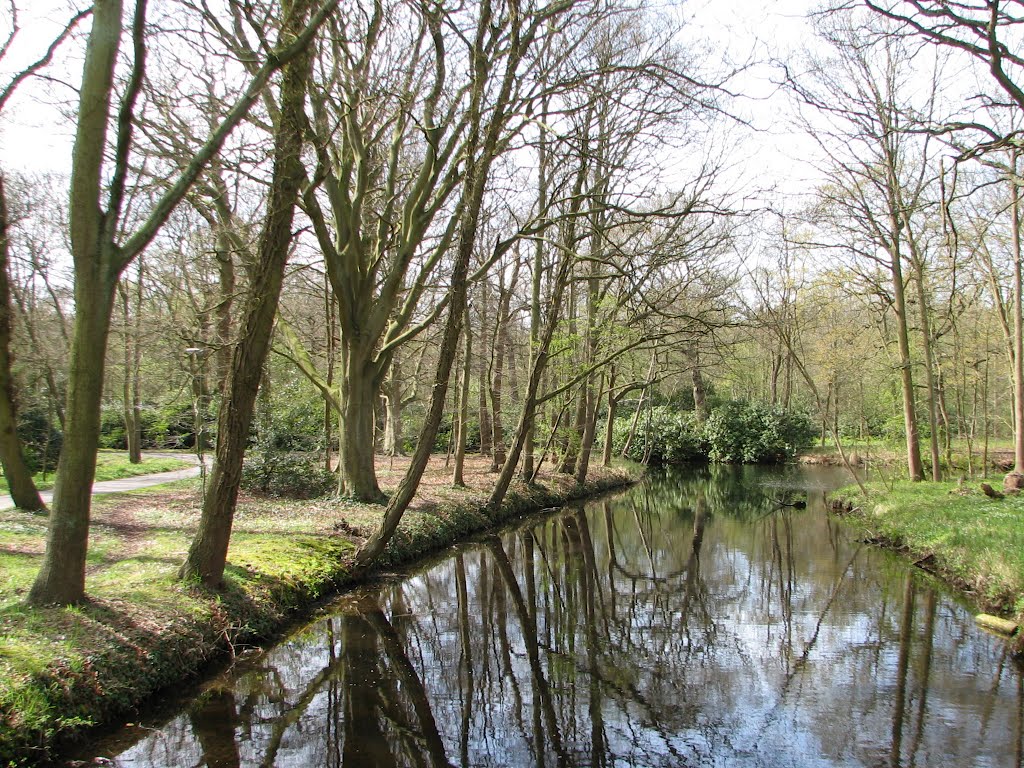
(974, 542)
(63, 670)
(113, 466)
(890, 457)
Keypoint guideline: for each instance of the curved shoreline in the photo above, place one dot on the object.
(134, 660)
(939, 530)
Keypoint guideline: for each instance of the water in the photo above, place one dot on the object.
(697, 620)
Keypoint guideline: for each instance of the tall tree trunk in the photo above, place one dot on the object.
(463, 430)
(700, 396)
(915, 466)
(329, 302)
(1018, 325)
(61, 577)
(392, 391)
(207, 555)
(609, 421)
(19, 478)
(929, 361)
(132, 358)
(356, 425)
(486, 433)
(226, 288)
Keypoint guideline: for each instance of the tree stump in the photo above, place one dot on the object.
(1013, 483)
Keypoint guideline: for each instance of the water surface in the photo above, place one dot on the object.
(700, 619)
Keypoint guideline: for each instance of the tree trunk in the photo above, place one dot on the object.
(609, 421)
(19, 478)
(486, 434)
(929, 362)
(463, 431)
(207, 555)
(915, 466)
(132, 353)
(61, 577)
(700, 397)
(1018, 326)
(392, 391)
(356, 426)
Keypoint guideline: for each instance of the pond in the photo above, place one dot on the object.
(712, 616)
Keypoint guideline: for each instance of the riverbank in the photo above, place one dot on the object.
(972, 541)
(66, 670)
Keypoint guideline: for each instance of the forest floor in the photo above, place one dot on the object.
(65, 670)
(951, 529)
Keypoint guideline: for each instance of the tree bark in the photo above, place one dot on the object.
(1018, 325)
(61, 577)
(356, 426)
(19, 478)
(463, 429)
(207, 555)
(915, 466)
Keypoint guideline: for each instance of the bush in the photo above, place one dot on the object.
(288, 475)
(742, 432)
(735, 432)
(41, 441)
(674, 436)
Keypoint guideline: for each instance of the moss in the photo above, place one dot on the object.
(64, 670)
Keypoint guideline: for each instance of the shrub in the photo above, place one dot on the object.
(41, 441)
(673, 436)
(288, 475)
(742, 432)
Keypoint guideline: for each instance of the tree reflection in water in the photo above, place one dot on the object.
(692, 620)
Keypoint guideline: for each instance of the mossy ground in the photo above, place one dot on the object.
(63, 670)
(954, 530)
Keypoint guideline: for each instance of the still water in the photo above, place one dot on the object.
(696, 620)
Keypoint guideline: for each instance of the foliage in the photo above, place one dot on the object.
(296, 417)
(41, 441)
(666, 435)
(735, 432)
(288, 475)
(169, 426)
(742, 432)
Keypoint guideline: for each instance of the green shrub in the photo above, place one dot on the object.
(288, 475)
(742, 432)
(735, 432)
(41, 440)
(671, 436)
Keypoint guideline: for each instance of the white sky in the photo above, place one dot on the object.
(36, 137)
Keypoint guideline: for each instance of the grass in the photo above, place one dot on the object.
(113, 466)
(63, 670)
(954, 530)
(890, 457)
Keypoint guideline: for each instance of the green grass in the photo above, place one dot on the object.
(973, 541)
(113, 466)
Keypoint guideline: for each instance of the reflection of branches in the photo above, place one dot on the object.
(529, 633)
(411, 686)
(800, 663)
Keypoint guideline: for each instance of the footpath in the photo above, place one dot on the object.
(124, 484)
